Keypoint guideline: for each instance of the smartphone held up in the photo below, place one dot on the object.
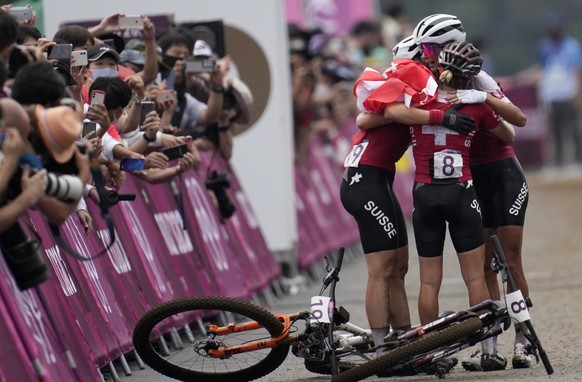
(130, 22)
(132, 164)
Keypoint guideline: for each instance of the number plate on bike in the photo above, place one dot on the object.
(516, 306)
(321, 309)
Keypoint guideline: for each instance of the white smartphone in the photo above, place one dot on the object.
(21, 13)
(130, 21)
(97, 96)
(79, 58)
(166, 95)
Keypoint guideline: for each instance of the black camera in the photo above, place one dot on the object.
(22, 257)
(218, 183)
(66, 188)
(113, 197)
(20, 251)
(228, 99)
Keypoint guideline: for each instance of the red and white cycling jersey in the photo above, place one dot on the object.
(486, 147)
(382, 146)
(441, 154)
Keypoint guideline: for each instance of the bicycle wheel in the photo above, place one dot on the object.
(190, 361)
(424, 344)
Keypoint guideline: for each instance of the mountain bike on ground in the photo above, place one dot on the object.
(422, 346)
(227, 339)
(215, 339)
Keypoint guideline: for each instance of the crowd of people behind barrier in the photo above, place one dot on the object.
(113, 177)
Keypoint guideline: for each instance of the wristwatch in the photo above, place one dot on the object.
(138, 100)
(149, 140)
(217, 88)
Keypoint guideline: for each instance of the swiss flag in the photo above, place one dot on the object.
(405, 81)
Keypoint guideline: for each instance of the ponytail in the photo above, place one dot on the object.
(446, 77)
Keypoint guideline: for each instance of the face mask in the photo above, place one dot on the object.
(169, 61)
(105, 72)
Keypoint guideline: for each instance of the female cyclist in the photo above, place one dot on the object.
(498, 178)
(444, 193)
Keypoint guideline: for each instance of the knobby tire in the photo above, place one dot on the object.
(163, 365)
(428, 342)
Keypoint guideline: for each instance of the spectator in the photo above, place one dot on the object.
(13, 145)
(558, 76)
(8, 32)
(132, 59)
(559, 89)
(395, 27)
(28, 35)
(190, 114)
(367, 47)
(38, 83)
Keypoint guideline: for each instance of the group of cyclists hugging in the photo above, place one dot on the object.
(435, 97)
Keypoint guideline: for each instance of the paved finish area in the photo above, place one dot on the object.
(553, 262)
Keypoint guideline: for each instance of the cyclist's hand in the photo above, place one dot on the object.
(469, 96)
(458, 121)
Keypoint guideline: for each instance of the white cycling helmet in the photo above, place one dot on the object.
(406, 48)
(439, 29)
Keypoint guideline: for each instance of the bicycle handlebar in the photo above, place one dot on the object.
(340, 259)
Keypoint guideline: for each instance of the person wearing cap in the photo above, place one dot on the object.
(50, 135)
(132, 59)
(110, 24)
(190, 115)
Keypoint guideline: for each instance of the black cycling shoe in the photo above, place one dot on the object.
(442, 366)
(324, 367)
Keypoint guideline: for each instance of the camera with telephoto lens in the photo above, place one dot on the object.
(218, 183)
(19, 250)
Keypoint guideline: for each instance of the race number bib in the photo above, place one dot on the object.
(448, 164)
(516, 306)
(355, 155)
(321, 309)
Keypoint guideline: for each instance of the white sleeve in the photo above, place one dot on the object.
(486, 83)
(109, 143)
(81, 205)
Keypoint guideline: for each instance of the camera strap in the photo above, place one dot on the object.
(105, 214)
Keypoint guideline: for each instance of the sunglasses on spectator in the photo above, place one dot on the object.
(431, 49)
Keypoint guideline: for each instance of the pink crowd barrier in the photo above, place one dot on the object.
(171, 242)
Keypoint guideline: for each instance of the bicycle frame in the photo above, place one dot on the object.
(341, 342)
(493, 319)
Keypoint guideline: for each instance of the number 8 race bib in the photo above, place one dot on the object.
(448, 164)
(355, 155)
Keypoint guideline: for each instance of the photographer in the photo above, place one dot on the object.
(37, 181)
(11, 148)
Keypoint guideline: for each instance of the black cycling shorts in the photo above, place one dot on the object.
(502, 192)
(435, 205)
(366, 193)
